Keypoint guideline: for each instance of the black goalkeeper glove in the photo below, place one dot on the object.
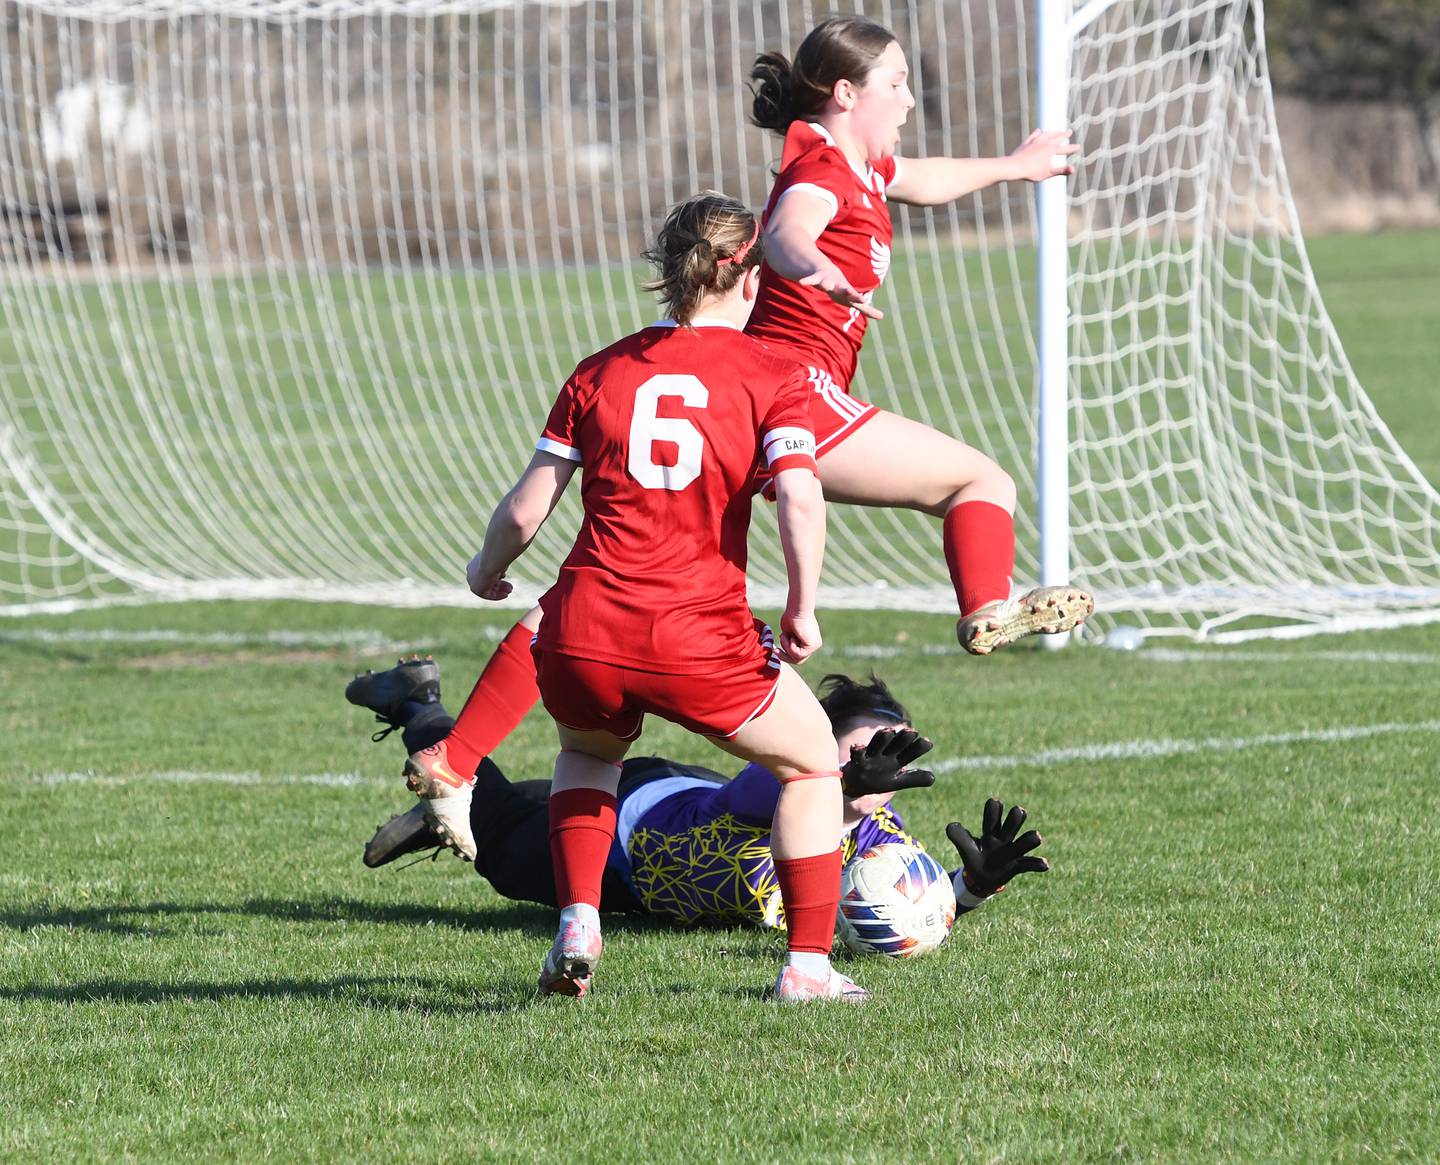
(879, 767)
(997, 855)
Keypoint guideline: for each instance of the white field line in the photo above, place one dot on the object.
(378, 641)
(1115, 750)
(1164, 654)
(358, 641)
(1153, 749)
(187, 777)
(1223, 655)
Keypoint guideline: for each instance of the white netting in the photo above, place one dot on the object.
(287, 287)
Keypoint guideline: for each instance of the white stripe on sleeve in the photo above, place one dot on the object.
(547, 445)
(810, 188)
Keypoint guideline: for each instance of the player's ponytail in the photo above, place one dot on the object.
(772, 92)
(706, 245)
(843, 49)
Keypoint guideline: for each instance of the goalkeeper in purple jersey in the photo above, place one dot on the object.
(691, 845)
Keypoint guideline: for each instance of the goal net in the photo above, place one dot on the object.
(287, 287)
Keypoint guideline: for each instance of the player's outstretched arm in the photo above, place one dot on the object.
(1000, 854)
(933, 181)
(791, 249)
(880, 767)
(516, 521)
(800, 510)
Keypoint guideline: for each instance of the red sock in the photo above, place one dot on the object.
(582, 826)
(810, 889)
(502, 695)
(980, 552)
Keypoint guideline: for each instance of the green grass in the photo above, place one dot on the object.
(1232, 960)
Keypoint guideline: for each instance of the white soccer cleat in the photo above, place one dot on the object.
(446, 795)
(1043, 611)
(794, 986)
(571, 961)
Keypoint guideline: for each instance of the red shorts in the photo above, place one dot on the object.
(834, 416)
(590, 696)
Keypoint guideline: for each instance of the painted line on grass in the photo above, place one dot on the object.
(1153, 749)
(364, 641)
(895, 650)
(1225, 655)
(358, 641)
(1199, 654)
(1115, 750)
(355, 640)
(188, 777)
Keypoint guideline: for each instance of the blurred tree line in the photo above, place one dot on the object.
(1362, 50)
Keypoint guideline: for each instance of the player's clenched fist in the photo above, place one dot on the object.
(486, 583)
(799, 638)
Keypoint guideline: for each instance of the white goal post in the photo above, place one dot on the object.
(286, 287)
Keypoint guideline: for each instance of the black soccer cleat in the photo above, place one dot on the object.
(405, 833)
(411, 680)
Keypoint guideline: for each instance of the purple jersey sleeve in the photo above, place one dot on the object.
(751, 796)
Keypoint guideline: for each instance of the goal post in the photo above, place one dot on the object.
(286, 287)
(1053, 39)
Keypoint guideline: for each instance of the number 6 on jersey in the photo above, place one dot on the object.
(646, 427)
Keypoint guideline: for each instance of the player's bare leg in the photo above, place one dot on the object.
(897, 463)
(443, 775)
(582, 826)
(794, 741)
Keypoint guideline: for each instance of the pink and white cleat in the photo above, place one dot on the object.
(571, 961)
(794, 986)
(446, 795)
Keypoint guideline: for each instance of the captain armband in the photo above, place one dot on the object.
(789, 448)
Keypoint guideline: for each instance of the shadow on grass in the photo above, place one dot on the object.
(147, 919)
(380, 994)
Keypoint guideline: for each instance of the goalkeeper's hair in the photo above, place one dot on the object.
(708, 242)
(847, 700)
(843, 49)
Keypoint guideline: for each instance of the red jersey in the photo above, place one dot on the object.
(804, 322)
(669, 425)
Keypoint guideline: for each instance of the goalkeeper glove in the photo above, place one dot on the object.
(997, 855)
(879, 767)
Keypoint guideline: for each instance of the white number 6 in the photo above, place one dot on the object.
(646, 428)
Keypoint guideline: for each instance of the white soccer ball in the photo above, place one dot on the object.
(895, 900)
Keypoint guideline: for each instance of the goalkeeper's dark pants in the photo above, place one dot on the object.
(511, 822)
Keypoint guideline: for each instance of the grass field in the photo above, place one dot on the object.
(1233, 958)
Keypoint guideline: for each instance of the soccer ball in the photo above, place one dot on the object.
(895, 900)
